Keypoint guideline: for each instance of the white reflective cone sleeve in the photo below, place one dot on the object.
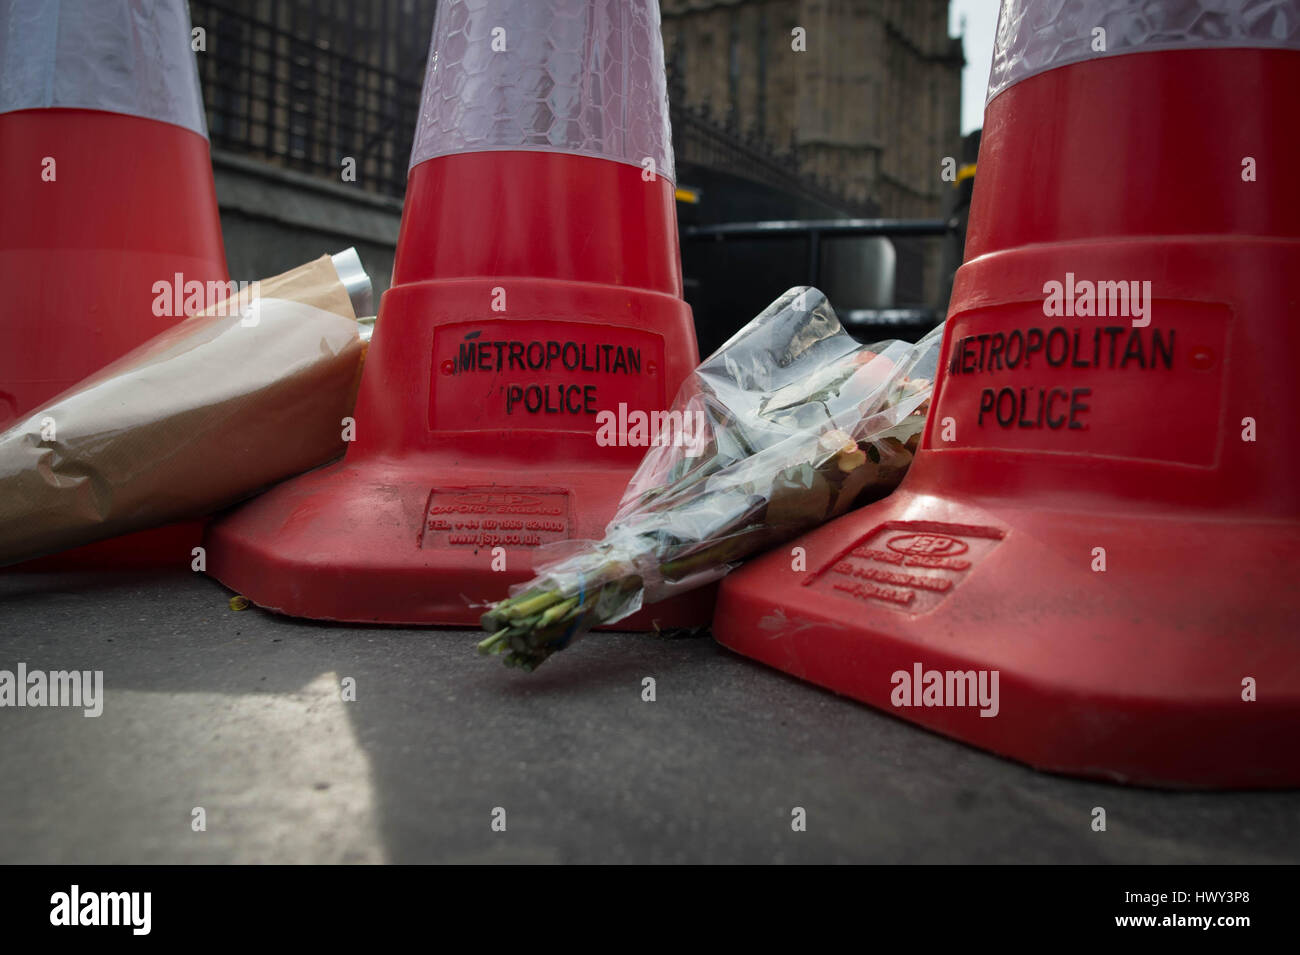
(1038, 35)
(570, 76)
(119, 56)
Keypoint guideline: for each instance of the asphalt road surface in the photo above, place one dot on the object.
(241, 715)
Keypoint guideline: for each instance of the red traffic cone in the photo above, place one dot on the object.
(537, 284)
(107, 186)
(107, 191)
(1092, 566)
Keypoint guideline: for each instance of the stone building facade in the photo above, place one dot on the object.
(871, 104)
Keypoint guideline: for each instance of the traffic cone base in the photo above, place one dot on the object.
(1104, 510)
(1076, 693)
(1134, 672)
(451, 484)
(403, 565)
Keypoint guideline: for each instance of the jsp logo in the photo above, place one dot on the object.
(926, 544)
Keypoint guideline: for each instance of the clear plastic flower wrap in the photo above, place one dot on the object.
(787, 425)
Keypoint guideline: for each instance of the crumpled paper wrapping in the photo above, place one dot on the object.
(203, 415)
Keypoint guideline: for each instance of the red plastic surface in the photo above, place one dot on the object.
(986, 559)
(132, 203)
(169, 547)
(521, 306)
(542, 215)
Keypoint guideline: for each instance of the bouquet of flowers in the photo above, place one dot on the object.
(787, 425)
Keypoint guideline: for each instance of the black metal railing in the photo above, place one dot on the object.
(286, 94)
